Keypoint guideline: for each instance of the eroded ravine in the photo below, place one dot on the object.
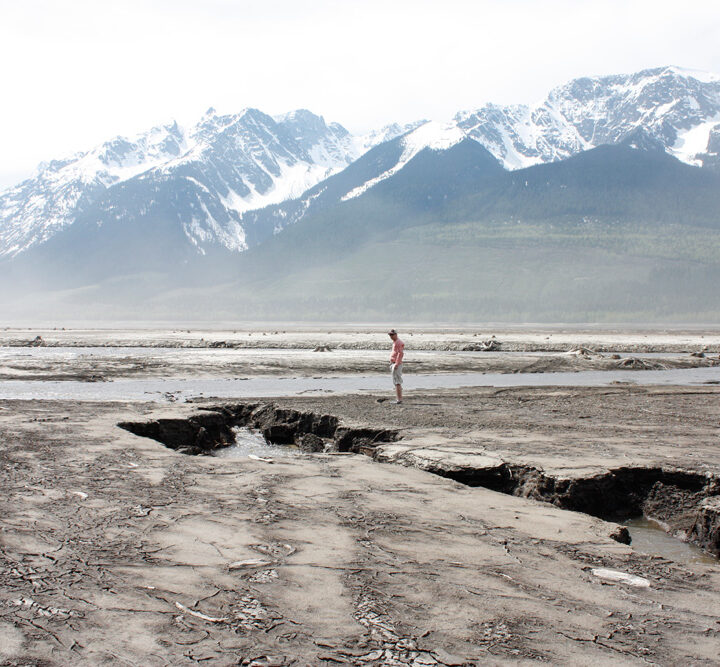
(685, 502)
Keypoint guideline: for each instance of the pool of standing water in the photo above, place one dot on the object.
(249, 442)
(649, 537)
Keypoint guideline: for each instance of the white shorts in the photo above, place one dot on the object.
(396, 373)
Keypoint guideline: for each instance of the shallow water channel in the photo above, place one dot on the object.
(154, 389)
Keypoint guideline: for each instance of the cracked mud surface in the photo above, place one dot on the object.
(117, 550)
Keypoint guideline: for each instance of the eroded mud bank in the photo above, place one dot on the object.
(685, 502)
(205, 432)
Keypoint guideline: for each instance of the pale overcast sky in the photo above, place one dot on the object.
(78, 72)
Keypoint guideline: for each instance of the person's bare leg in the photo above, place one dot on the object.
(398, 392)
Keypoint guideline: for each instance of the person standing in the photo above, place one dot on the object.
(396, 359)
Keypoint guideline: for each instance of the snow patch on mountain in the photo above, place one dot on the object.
(208, 230)
(697, 74)
(120, 159)
(293, 180)
(692, 144)
(365, 142)
(431, 135)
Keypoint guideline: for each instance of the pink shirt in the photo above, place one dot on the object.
(398, 349)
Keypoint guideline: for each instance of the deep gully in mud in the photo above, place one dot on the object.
(685, 503)
(206, 432)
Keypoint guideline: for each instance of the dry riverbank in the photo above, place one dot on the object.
(100, 364)
(115, 548)
(535, 338)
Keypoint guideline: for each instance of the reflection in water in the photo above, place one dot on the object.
(649, 537)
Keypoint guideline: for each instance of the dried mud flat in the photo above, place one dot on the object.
(117, 549)
(352, 337)
(243, 364)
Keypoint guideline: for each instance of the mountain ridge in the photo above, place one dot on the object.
(240, 161)
(229, 167)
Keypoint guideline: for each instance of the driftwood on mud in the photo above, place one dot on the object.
(490, 345)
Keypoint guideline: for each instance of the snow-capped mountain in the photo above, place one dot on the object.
(39, 207)
(231, 181)
(666, 108)
(678, 110)
(214, 171)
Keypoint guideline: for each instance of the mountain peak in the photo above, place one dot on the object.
(699, 75)
(298, 115)
(431, 135)
(434, 135)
